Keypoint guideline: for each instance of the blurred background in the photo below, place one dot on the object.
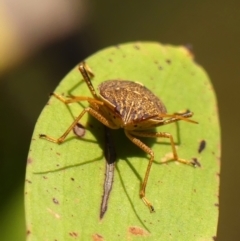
(40, 41)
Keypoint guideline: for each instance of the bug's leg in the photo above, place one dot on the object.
(87, 69)
(91, 111)
(73, 99)
(149, 151)
(164, 135)
(87, 74)
(176, 117)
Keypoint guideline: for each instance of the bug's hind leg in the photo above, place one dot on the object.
(164, 135)
(149, 151)
(131, 135)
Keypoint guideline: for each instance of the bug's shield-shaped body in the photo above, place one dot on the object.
(131, 105)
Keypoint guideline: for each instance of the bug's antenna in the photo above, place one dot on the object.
(87, 73)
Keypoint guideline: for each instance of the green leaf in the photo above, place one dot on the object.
(64, 183)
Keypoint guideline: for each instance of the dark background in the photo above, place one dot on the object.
(211, 28)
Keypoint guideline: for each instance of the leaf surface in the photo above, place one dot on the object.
(64, 183)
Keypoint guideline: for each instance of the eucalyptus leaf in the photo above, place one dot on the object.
(64, 183)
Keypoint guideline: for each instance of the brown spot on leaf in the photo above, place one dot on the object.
(168, 61)
(97, 237)
(79, 130)
(195, 162)
(202, 146)
(29, 160)
(137, 231)
(136, 46)
(28, 232)
(28, 181)
(58, 153)
(55, 200)
(214, 238)
(73, 234)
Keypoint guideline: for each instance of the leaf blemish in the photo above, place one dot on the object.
(55, 200)
(73, 234)
(56, 215)
(168, 61)
(168, 156)
(137, 47)
(196, 162)
(202, 146)
(137, 231)
(79, 130)
(29, 161)
(110, 156)
(97, 237)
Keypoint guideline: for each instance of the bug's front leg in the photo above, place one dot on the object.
(73, 99)
(92, 112)
(64, 135)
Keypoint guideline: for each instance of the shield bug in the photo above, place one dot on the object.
(128, 105)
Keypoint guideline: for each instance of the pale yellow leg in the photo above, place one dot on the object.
(149, 151)
(164, 135)
(91, 111)
(73, 99)
(131, 135)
